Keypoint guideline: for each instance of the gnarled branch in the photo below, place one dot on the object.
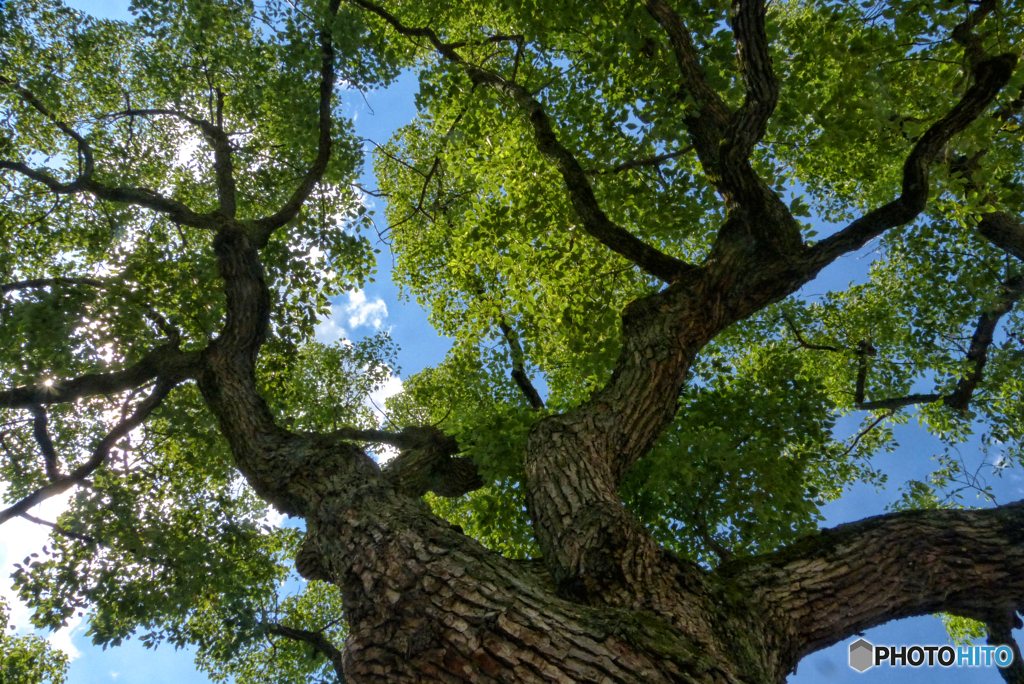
(850, 578)
(428, 463)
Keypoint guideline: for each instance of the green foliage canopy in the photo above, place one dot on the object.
(167, 542)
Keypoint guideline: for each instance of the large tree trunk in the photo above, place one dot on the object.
(426, 603)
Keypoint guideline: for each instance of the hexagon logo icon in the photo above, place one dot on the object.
(862, 655)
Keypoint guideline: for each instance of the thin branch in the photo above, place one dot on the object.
(519, 368)
(315, 639)
(37, 283)
(990, 77)
(98, 458)
(148, 311)
(490, 40)
(700, 526)
(581, 194)
(656, 160)
(267, 225)
(977, 354)
(863, 433)
(89, 539)
(981, 341)
(42, 437)
(218, 141)
(409, 438)
(84, 148)
(85, 181)
(165, 360)
(60, 530)
(804, 343)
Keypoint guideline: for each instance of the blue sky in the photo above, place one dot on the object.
(378, 306)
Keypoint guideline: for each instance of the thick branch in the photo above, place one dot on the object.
(428, 463)
(710, 107)
(897, 402)
(166, 360)
(963, 33)
(315, 639)
(1004, 232)
(99, 454)
(990, 77)
(1000, 633)
(749, 124)
(848, 579)
(281, 466)
(266, 226)
(581, 193)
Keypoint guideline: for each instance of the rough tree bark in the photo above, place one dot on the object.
(425, 603)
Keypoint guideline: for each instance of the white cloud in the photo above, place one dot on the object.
(357, 310)
(274, 518)
(62, 638)
(328, 331)
(114, 675)
(361, 312)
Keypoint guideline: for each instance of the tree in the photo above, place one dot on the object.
(592, 196)
(28, 659)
